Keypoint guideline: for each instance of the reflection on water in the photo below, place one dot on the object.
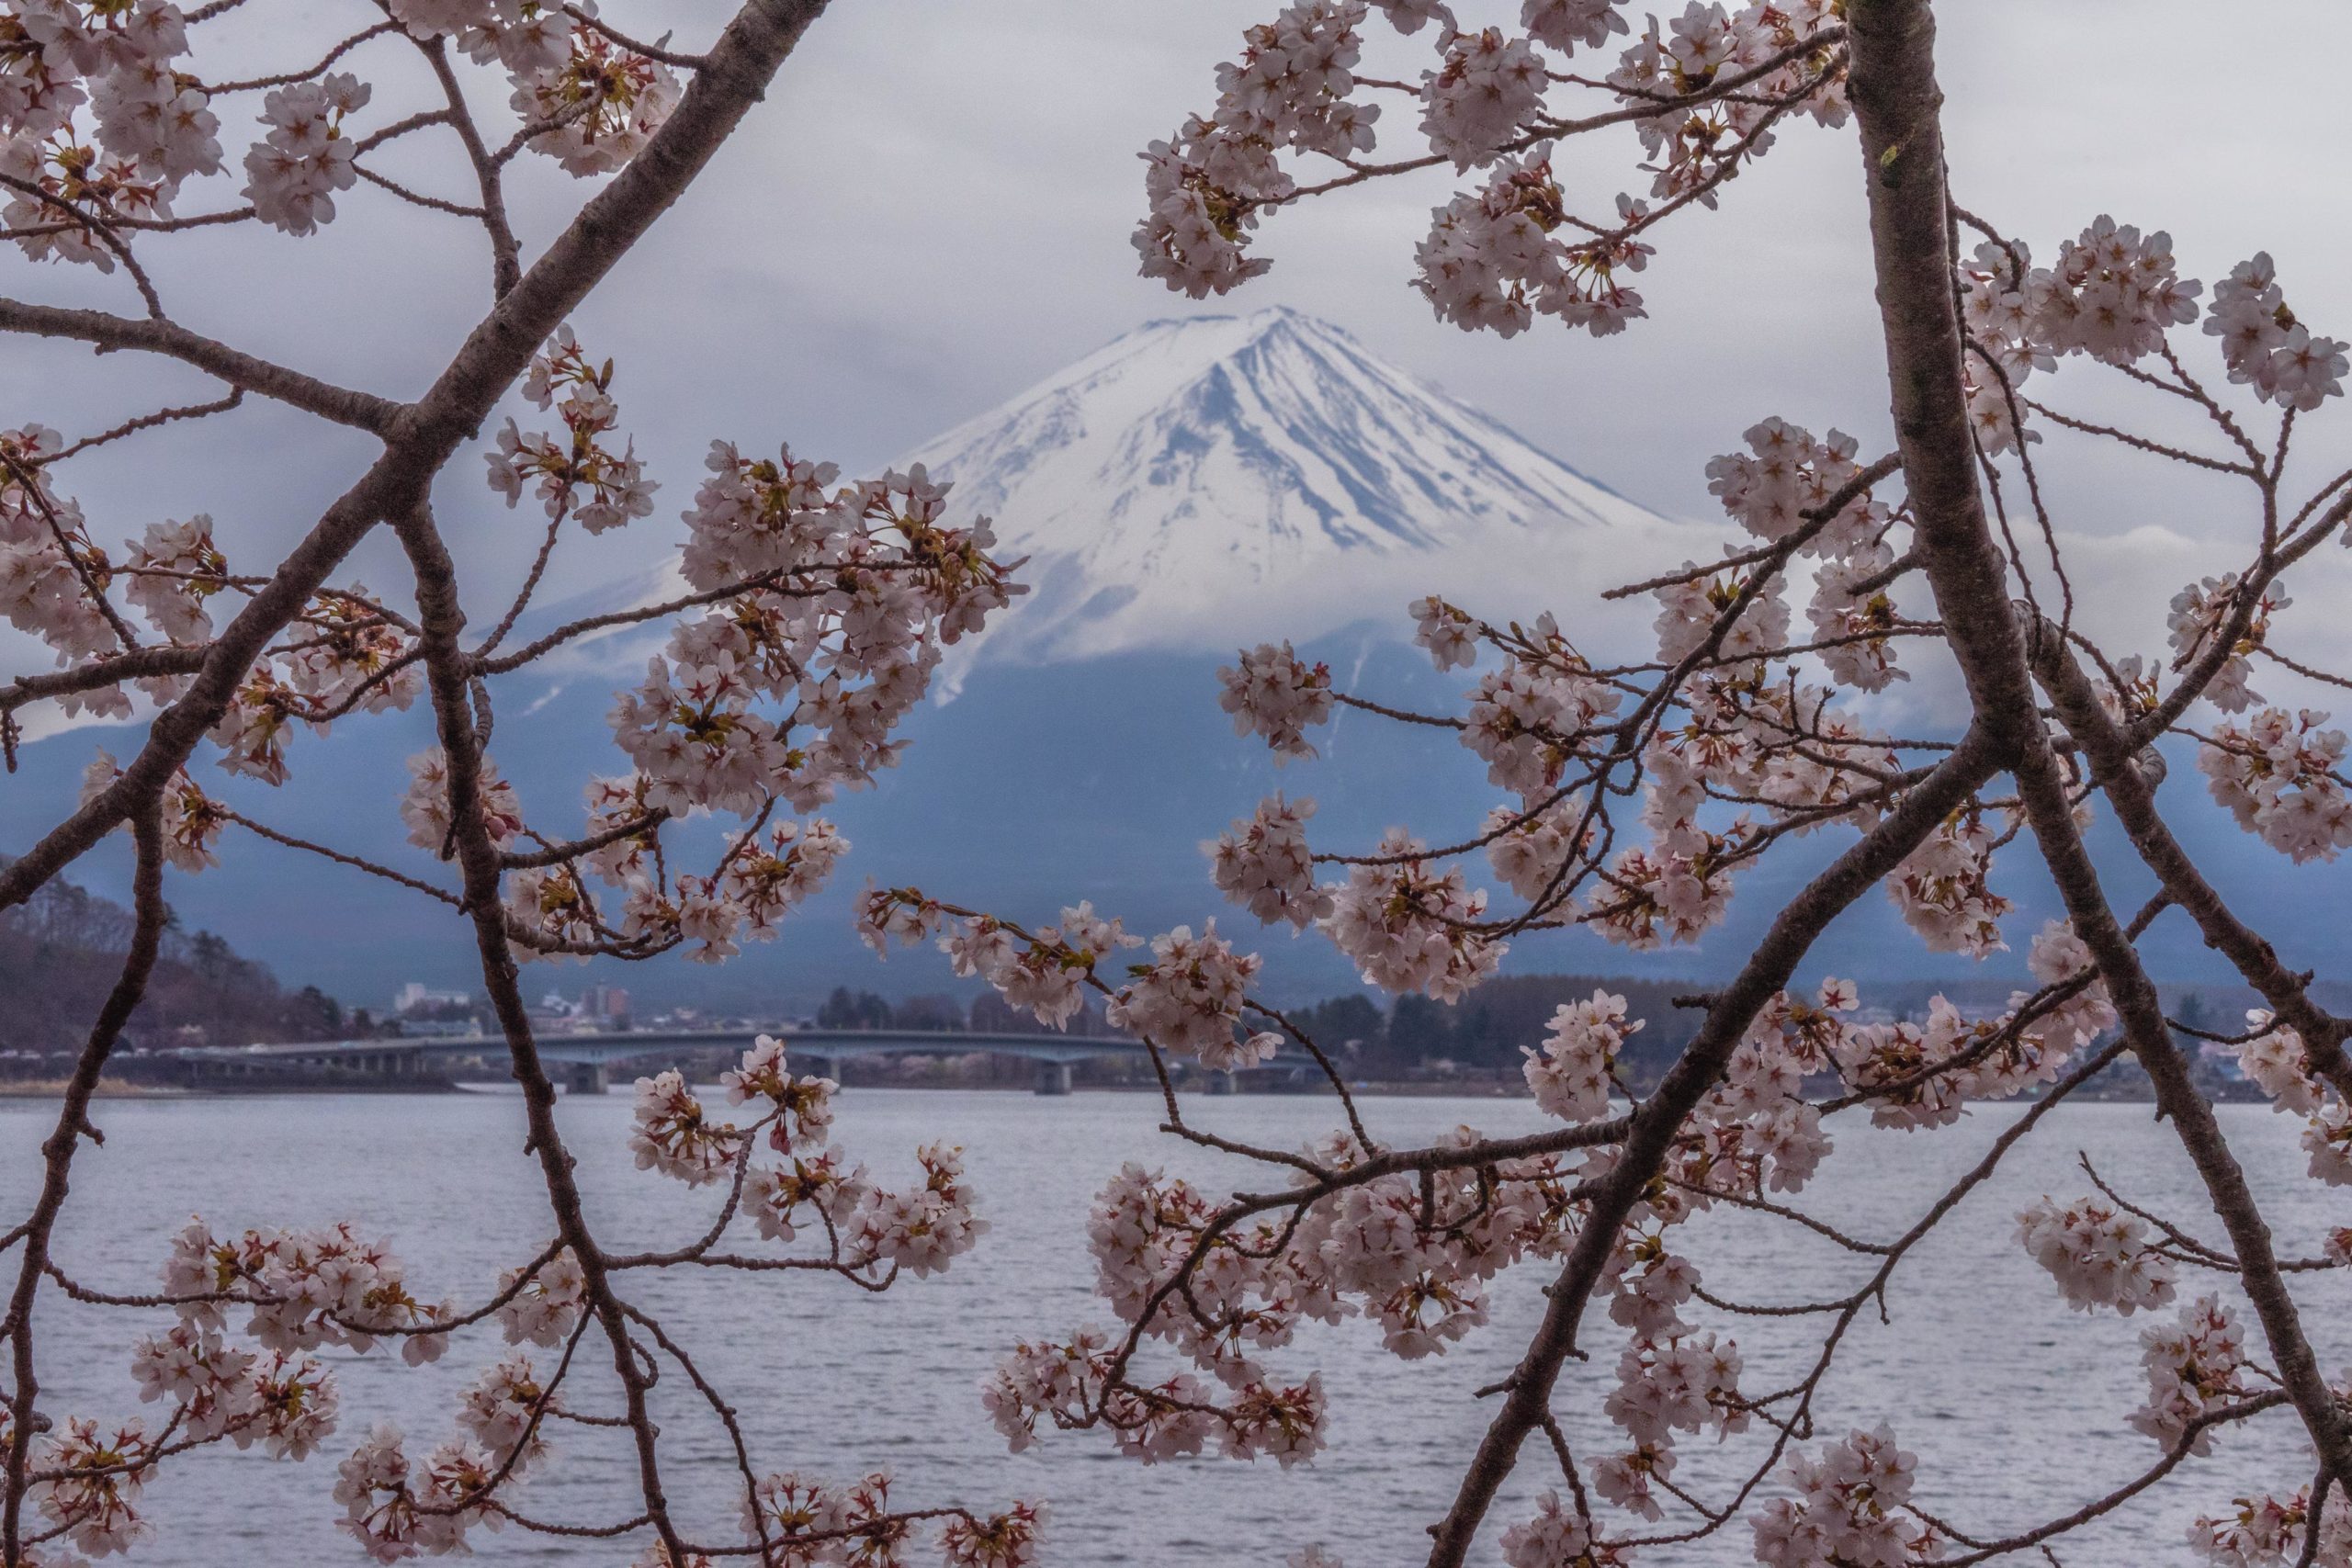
(2015, 1404)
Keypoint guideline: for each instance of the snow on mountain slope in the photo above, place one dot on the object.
(1205, 480)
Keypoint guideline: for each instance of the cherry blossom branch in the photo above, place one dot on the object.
(766, 583)
(555, 854)
(489, 645)
(338, 405)
(355, 861)
(595, 24)
(2186, 1444)
(135, 664)
(286, 78)
(1657, 1119)
(505, 251)
(28, 483)
(438, 611)
(1896, 101)
(236, 397)
(420, 437)
(2111, 765)
(2139, 443)
(57, 1159)
(1848, 1307)
(92, 223)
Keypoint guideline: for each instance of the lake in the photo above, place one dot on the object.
(2015, 1404)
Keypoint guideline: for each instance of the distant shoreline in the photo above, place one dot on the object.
(122, 1089)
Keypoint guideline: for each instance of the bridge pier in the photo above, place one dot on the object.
(587, 1078)
(1224, 1081)
(1053, 1077)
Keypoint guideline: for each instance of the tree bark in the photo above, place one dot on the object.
(1895, 101)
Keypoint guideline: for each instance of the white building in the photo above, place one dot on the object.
(417, 994)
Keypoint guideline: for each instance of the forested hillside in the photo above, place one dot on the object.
(60, 951)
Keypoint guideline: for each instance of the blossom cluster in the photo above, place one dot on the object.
(1849, 1509)
(2200, 615)
(94, 1503)
(1942, 893)
(2266, 347)
(2101, 1256)
(1273, 693)
(845, 598)
(2268, 1531)
(596, 106)
(150, 129)
(1694, 140)
(1189, 998)
(2279, 774)
(578, 476)
(307, 155)
(425, 806)
(1414, 1262)
(191, 820)
(154, 124)
(2195, 1366)
(2113, 296)
(1290, 89)
(2275, 1058)
(306, 1288)
(1576, 1069)
(302, 1290)
(1708, 90)
(871, 1230)
(807, 1521)
(1410, 924)
(1262, 863)
(1534, 853)
(1496, 258)
(349, 654)
(1782, 485)
(1558, 1534)
(1045, 974)
(1754, 1130)
(396, 1508)
(1537, 710)
(45, 554)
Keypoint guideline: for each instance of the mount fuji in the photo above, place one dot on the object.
(1175, 487)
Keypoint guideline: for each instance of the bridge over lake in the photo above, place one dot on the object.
(589, 1058)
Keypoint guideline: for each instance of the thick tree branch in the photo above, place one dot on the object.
(1896, 101)
(1657, 1120)
(2134, 801)
(339, 405)
(477, 858)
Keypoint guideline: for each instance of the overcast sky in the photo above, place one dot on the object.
(931, 211)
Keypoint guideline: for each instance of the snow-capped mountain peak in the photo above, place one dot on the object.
(1212, 478)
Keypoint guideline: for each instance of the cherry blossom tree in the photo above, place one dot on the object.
(1635, 796)
(815, 610)
(1638, 795)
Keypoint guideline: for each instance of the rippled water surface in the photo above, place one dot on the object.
(2015, 1404)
